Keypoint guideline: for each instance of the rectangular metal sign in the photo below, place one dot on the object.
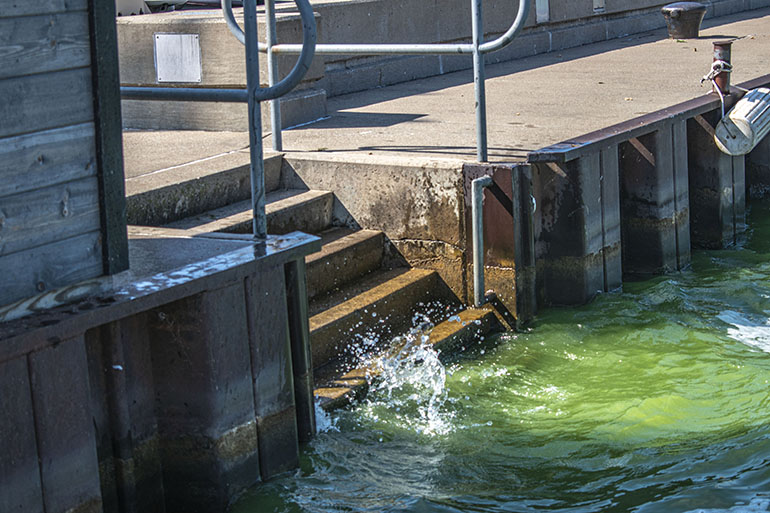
(177, 58)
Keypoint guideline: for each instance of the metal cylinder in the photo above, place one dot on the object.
(479, 81)
(722, 53)
(259, 224)
(477, 207)
(683, 19)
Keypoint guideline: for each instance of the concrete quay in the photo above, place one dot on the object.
(400, 159)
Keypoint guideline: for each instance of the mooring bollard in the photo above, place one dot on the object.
(722, 51)
(683, 19)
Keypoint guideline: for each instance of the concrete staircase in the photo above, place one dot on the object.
(361, 293)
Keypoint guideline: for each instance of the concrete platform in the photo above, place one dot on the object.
(532, 102)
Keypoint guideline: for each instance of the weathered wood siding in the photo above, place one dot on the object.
(51, 185)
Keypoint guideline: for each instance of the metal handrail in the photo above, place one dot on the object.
(389, 49)
(477, 216)
(253, 95)
(477, 48)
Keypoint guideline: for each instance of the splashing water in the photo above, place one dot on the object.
(411, 380)
(653, 400)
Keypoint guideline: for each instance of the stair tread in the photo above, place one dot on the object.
(338, 238)
(334, 388)
(241, 212)
(363, 293)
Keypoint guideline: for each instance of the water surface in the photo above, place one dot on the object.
(653, 400)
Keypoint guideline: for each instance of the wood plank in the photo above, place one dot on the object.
(38, 44)
(9, 9)
(19, 470)
(49, 100)
(41, 159)
(28, 273)
(109, 135)
(69, 468)
(43, 216)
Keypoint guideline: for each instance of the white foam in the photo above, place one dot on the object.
(756, 505)
(746, 331)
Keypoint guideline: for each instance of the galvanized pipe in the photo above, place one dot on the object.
(477, 206)
(479, 77)
(407, 49)
(257, 167)
(306, 50)
(193, 94)
(272, 75)
(477, 48)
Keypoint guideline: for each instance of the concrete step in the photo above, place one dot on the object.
(159, 192)
(449, 337)
(346, 255)
(373, 310)
(287, 210)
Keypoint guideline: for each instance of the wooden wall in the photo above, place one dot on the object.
(59, 164)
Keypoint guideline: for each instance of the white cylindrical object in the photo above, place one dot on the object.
(746, 124)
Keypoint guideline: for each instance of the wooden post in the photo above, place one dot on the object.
(717, 187)
(109, 135)
(654, 202)
(576, 224)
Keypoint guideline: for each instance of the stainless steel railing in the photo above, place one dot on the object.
(253, 95)
(478, 48)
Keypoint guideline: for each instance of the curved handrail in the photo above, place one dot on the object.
(307, 51)
(512, 32)
(390, 49)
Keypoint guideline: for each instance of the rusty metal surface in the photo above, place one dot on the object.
(683, 19)
(592, 141)
(134, 294)
(722, 51)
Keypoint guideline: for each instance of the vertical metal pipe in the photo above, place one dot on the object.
(272, 74)
(255, 121)
(479, 77)
(722, 51)
(477, 207)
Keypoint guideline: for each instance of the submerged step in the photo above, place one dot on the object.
(345, 255)
(287, 210)
(447, 337)
(375, 309)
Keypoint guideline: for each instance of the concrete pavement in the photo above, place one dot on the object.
(532, 102)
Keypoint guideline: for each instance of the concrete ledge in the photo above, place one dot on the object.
(298, 107)
(182, 191)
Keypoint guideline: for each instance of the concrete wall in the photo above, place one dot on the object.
(568, 24)
(423, 207)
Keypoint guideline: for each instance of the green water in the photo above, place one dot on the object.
(652, 400)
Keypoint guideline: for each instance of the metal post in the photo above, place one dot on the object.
(477, 206)
(255, 121)
(479, 77)
(722, 53)
(272, 74)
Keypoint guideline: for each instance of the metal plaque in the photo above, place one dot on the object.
(177, 57)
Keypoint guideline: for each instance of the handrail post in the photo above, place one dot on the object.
(257, 166)
(477, 206)
(479, 79)
(272, 74)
